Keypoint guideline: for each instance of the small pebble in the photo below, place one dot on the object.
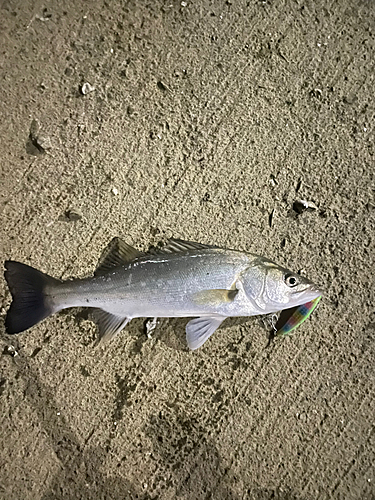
(150, 325)
(37, 143)
(270, 217)
(10, 350)
(70, 216)
(44, 142)
(272, 181)
(86, 88)
(300, 206)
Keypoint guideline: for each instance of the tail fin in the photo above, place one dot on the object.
(30, 304)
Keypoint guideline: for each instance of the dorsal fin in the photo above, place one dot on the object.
(116, 253)
(178, 246)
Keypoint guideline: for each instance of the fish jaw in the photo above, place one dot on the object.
(296, 299)
(311, 293)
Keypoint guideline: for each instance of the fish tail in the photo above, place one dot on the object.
(30, 303)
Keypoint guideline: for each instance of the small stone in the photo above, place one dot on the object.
(37, 143)
(10, 350)
(86, 88)
(44, 142)
(161, 86)
(70, 216)
(150, 326)
(115, 191)
(270, 217)
(311, 206)
(300, 206)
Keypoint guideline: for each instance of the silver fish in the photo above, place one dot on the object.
(181, 279)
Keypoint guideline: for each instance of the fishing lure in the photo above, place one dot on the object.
(300, 314)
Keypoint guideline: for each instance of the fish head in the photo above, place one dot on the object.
(273, 288)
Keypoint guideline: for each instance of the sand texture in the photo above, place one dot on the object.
(204, 121)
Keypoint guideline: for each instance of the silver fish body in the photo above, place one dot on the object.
(182, 279)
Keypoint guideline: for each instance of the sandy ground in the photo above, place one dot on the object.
(206, 118)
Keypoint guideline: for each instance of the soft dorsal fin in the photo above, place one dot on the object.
(116, 253)
(179, 246)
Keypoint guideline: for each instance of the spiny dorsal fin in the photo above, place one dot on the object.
(179, 246)
(116, 253)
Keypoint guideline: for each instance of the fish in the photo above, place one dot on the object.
(179, 279)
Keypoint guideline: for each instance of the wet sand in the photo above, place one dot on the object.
(204, 121)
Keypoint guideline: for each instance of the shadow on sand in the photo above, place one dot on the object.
(188, 463)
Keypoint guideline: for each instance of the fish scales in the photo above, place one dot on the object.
(161, 286)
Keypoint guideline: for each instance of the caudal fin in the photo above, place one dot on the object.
(30, 303)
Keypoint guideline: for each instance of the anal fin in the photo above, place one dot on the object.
(198, 330)
(109, 324)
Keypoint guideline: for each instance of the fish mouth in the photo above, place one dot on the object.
(310, 293)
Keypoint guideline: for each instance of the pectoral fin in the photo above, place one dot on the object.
(109, 324)
(214, 297)
(200, 329)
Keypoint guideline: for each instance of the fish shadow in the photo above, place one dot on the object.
(172, 331)
(188, 461)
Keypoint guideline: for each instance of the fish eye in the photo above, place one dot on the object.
(290, 280)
